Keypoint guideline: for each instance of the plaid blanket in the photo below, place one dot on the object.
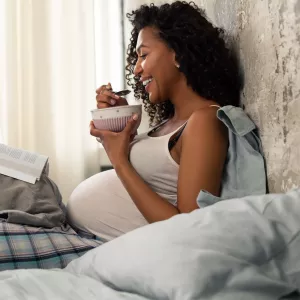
(25, 247)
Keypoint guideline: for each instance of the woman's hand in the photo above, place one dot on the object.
(106, 98)
(116, 144)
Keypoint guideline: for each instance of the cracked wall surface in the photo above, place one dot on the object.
(266, 36)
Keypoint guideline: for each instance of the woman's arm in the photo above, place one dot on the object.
(203, 153)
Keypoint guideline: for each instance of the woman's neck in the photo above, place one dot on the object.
(186, 101)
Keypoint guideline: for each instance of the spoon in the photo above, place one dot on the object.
(122, 93)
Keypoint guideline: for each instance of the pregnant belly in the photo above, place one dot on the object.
(102, 206)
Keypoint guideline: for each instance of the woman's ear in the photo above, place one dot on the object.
(176, 64)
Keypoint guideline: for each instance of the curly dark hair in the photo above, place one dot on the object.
(208, 65)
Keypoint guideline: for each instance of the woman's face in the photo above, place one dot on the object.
(156, 66)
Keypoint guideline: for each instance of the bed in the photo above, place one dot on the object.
(245, 248)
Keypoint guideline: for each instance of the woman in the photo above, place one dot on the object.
(178, 64)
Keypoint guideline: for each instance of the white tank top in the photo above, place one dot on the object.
(151, 158)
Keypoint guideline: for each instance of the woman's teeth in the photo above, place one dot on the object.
(147, 81)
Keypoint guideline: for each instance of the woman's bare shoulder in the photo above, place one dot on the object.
(205, 122)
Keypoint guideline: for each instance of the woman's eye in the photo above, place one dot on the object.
(143, 56)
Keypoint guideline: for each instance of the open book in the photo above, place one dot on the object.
(21, 164)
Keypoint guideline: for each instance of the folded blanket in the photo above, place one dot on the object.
(38, 204)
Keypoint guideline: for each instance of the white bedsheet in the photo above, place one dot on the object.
(55, 285)
(240, 249)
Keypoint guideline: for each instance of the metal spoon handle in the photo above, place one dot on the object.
(122, 93)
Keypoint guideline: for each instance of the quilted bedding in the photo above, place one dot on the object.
(26, 247)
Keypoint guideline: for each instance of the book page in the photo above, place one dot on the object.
(17, 174)
(21, 161)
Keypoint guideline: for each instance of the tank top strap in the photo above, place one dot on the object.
(178, 129)
(177, 133)
(157, 126)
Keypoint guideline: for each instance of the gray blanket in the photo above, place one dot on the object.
(38, 204)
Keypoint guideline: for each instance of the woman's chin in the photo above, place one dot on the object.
(154, 99)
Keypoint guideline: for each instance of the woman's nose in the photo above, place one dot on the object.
(137, 68)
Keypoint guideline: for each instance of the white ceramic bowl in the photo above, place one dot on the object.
(116, 118)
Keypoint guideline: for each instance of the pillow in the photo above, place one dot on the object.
(227, 251)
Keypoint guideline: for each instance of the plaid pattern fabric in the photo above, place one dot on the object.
(25, 247)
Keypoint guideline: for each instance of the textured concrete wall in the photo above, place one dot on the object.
(266, 35)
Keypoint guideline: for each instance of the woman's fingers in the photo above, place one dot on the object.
(104, 87)
(106, 98)
(101, 105)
